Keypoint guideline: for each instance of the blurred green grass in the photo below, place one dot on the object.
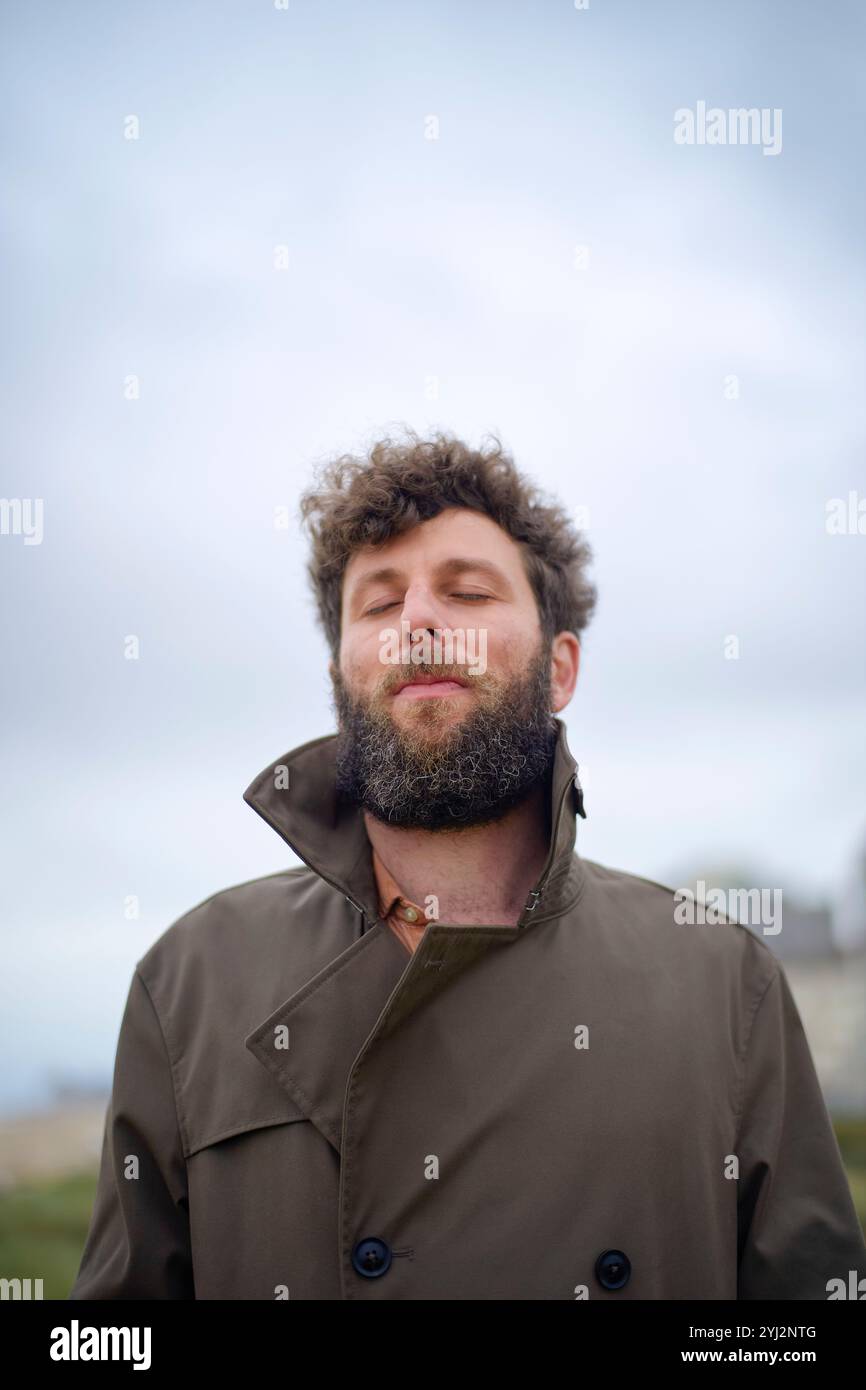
(43, 1226)
(851, 1133)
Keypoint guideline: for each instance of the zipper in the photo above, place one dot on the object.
(535, 894)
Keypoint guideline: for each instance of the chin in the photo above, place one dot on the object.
(431, 719)
(435, 713)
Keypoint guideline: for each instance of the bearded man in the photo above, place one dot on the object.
(447, 1057)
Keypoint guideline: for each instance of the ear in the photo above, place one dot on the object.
(564, 666)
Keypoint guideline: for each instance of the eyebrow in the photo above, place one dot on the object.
(448, 569)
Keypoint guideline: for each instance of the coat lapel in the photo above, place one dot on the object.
(310, 1042)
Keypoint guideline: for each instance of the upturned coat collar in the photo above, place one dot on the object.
(315, 1041)
(297, 797)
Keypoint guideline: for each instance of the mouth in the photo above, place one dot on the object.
(426, 688)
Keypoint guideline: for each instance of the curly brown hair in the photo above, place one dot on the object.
(365, 501)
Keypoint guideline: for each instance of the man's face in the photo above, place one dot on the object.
(441, 736)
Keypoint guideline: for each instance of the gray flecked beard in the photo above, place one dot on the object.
(460, 774)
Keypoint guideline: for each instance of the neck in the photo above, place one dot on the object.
(479, 874)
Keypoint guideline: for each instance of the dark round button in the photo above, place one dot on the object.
(371, 1257)
(612, 1269)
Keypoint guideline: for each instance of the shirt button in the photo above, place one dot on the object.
(410, 914)
(371, 1257)
(613, 1269)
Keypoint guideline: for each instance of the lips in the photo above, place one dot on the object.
(446, 682)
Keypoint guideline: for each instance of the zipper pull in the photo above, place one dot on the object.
(578, 794)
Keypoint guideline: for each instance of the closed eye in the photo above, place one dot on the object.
(381, 607)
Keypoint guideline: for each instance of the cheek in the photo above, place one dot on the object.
(511, 646)
(347, 662)
(360, 663)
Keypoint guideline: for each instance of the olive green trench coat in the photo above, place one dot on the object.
(596, 1103)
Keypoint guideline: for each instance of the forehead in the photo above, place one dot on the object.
(457, 531)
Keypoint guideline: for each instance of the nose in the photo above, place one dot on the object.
(420, 608)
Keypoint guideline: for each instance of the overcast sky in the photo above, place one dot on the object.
(436, 282)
